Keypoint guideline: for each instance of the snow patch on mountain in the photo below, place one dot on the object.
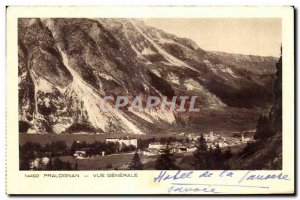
(143, 115)
(108, 77)
(147, 51)
(41, 84)
(171, 59)
(156, 72)
(214, 101)
(210, 65)
(22, 77)
(161, 39)
(228, 70)
(91, 102)
(88, 96)
(191, 84)
(165, 116)
(173, 78)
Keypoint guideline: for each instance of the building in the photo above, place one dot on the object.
(125, 141)
(223, 144)
(181, 134)
(191, 148)
(181, 149)
(128, 142)
(151, 152)
(155, 145)
(80, 154)
(174, 146)
(114, 140)
(39, 162)
(245, 140)
(210, 137)
(193, 137)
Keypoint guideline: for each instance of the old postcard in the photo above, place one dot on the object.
(150, 100)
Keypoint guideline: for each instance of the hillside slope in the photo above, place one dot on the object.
(67, 65)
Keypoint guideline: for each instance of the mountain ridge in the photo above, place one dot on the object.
(123, 57)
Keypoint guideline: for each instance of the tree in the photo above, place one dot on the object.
(267, 126)
(163, 140)
(219, 160)
(136, 163)
(228, 153)
(263, 129)
(201, 144)
(111, 147)
(128, 148)
(23, 126)
(68, 166)
(201, 154)
(117, 147)
(57, 164)
(49, 165)
(210, 159)
(227, 156)
(41, 165)
(24, 163)
(166, 160)
(187, 140)
(171, 139)
(74, 147)
(109, 166)
(275, 114)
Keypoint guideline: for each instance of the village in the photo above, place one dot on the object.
(188, 144)
(116, 153)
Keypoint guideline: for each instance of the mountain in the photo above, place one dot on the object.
(67, 65)
(266, 152)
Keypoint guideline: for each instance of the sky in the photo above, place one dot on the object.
(251, 36)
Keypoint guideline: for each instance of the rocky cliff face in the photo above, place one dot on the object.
(266, 152)
(67, 65)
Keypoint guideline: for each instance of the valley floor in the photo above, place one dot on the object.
(121, 160)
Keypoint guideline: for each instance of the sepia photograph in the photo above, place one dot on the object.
(150, 100)
(150, 93)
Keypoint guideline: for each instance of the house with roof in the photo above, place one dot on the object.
(151, 152)
(244, 139)
(124, 141)
(155, 145)
(82, 153)
(39, 162)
